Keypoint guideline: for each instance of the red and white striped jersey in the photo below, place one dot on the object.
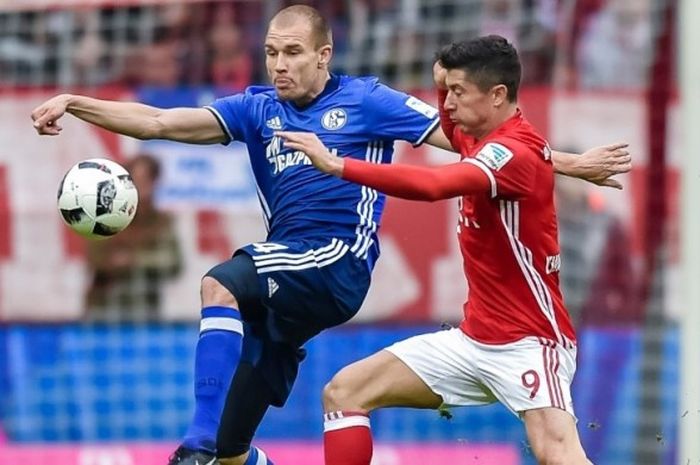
(509, 240)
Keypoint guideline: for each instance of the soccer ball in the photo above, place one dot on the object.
(97, 198)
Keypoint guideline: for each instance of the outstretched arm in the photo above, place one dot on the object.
(597, 165)
(403, 181)
(193, 125)
(442, 136)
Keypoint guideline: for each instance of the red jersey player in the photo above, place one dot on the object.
(516, 343)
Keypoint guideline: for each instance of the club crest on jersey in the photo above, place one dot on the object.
(334, 119)
(494, 155)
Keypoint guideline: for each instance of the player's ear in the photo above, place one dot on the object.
(499, 95)
(324, 55)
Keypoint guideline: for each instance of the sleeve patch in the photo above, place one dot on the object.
(495, 156)
(421, 107)
(547, 152)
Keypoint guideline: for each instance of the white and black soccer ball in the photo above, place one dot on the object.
(97, 198)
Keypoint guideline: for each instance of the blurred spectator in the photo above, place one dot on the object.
(385, 39)
(502, 17)
(158, 65)
(539, 40)
(130, 268)
(615, 49)
(230, 64)
(89, 49)
(186, 28)
(596, 276)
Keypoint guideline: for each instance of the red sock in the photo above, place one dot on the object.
(347, 439)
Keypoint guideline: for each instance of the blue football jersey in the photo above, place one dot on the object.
(354, 117)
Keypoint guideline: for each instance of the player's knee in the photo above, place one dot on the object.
(214, 293)
(334, 396)
(554, 459)
(339, 394)
(554, 453)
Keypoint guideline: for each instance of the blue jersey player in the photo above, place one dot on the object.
(313, 270)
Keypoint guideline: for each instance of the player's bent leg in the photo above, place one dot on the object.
(553, 437)
(380, 380)
(246, 404)
(216, 356)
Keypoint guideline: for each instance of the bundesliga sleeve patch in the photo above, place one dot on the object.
(495, 156)
(421, 107)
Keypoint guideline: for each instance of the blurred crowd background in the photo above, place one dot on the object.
(96, 339)
(571, 43)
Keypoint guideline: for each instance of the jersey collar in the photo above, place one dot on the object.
(331, 85)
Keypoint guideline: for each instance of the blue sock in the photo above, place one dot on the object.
(255, 455)
(215, 361)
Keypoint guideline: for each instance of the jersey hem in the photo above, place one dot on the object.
(490, 343)
(427, 132)
(221, 122)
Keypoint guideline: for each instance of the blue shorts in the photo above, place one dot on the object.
(303, 287)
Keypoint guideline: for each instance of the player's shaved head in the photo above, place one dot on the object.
(293, 15)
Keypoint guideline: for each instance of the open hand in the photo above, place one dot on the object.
(311, 145)
(599, 164)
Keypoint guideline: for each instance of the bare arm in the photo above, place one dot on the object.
(438, 139)
(596, 165)
(193, 125)
(429, 183)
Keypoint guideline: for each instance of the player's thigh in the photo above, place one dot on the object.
(308, 286)
(553, 437)
(531, 373)
(444, 361)
(432, 369)
(380, 380)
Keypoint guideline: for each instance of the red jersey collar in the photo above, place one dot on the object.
(511, 122)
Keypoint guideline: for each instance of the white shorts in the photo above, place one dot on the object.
(527, 374)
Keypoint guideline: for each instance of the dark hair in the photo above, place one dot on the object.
(320, 29)
(488, 61)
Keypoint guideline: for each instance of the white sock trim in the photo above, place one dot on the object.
(342, 422)
(262, 458)
(221, 323)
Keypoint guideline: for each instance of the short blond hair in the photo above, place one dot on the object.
(320, 29)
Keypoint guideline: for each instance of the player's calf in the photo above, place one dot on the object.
(217, 354)
(375, 382)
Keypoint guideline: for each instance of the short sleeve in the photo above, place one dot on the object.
(511, 168)
(392, 114)
(233, 113)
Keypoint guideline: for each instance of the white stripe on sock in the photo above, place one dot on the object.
(262, 458)
(345, 422)
(221, 323)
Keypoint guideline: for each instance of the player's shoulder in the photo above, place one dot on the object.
(260, 94)
(518, 139)
(359, 81)
(359, 86)
(253, 94)
(365, 84)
